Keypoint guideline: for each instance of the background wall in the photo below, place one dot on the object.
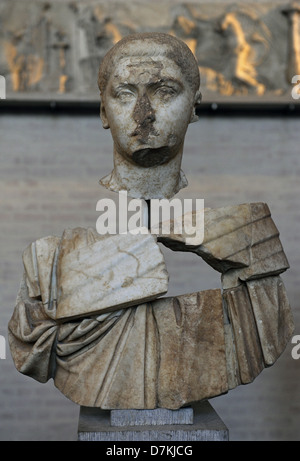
(49, 171)
(50, 165)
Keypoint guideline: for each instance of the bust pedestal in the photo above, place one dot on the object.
(200, 422)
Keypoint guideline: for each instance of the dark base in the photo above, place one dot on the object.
(94, 425)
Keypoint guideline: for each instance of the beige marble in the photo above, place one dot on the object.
(90, 312)
(241, 241)
(165, 353)
(84, 273)
(114, 272)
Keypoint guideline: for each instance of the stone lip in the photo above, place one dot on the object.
(156, 417)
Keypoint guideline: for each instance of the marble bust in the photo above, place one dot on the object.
(91, 314)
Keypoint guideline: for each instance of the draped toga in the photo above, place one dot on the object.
(170, 351)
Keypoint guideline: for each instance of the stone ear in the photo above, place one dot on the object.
(197, 102)
(103, 117)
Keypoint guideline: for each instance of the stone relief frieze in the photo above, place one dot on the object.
(243, 49)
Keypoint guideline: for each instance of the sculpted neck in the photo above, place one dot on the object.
(162, 181)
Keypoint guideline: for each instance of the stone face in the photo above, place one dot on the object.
(143, 83)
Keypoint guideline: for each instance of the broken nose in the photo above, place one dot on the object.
(148, 119)
(143, 111)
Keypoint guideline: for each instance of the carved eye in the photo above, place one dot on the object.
(165, 92)
(125, 95)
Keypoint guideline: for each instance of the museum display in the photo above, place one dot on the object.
(92, 313)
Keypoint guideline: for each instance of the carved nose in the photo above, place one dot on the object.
(143, 113)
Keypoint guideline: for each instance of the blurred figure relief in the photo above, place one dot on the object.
(248, 50)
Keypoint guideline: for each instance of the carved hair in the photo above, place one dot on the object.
(161, 45)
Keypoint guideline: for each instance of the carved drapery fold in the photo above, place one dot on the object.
(171, 351)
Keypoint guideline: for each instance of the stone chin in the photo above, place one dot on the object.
(150, 157)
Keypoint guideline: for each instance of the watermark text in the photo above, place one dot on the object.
(2, 87)
(296, 349)
(2, 348)
(153, 450)
(296, 88)
(161, 217)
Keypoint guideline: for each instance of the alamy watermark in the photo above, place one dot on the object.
(296, 349)
(296, 89)
(163, 217)
(2, 87)
(2, 347)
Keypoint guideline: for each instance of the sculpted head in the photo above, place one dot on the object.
(149, 86)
